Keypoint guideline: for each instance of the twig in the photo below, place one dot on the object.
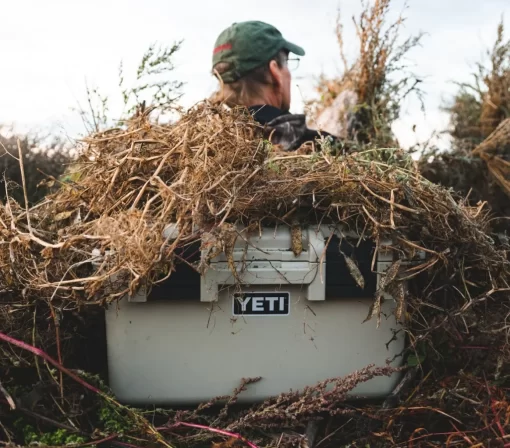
(59, 351)
(392, 209)
(377, 224)
(48, 358)
(39, 241)
(427, 408)
(208, 428)
(98, 442)
(62, 411)
(158, 169)
(7, 434)
(419, 247)
(24, 184)
(299, 156)
(402, 207)
(51, 422)
(36, 358)
(333, 433)
(323, 256)
(7, 396)
(113, 137)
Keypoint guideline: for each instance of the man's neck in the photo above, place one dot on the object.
(266, 97)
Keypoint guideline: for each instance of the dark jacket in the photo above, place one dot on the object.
(287, 130)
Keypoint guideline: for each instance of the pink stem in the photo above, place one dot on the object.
(48, 358)
(218, 431)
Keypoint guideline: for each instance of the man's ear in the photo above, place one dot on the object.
(276, 73)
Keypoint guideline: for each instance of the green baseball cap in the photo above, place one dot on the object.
(248, 45)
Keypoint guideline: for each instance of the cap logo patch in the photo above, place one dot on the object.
(222, 48)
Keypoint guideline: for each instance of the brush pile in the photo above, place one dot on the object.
(101, 236)
(204, 174)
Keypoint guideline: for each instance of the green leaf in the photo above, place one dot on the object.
(413, 360)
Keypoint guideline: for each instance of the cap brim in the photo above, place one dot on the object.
(296, 49)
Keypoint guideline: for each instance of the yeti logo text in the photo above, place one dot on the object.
(261, 304)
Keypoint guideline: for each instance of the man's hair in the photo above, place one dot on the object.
(240, 92)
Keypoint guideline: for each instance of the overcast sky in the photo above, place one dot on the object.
(48, 48)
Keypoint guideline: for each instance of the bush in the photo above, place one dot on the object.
(41, 159)
(482, 104)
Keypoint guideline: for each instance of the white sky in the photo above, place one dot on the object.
(48, 48)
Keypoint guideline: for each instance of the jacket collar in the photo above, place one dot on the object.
(265, 113)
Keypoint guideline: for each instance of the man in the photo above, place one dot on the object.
(250, 60)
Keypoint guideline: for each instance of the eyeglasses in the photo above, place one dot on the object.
(292, 63)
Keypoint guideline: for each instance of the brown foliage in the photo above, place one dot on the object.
(378, 75)
(205, 173)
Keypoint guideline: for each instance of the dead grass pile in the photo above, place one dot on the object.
(362, 103)
(102, 236)
(204, 174)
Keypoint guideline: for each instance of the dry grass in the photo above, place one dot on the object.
(494, 151)
(378, 76)
(206, 173)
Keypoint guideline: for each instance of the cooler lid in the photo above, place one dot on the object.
(271, 243)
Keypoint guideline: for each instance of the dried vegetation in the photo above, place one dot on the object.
(100, 236)
(370, 90)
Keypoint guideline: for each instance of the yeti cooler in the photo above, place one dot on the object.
(296, 320)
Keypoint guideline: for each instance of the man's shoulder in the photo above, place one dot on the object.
(287, 130)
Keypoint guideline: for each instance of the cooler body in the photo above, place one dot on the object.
(182, 345)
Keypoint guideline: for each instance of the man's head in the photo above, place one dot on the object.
(251, 60)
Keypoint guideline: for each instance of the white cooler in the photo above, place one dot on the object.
(295, 322)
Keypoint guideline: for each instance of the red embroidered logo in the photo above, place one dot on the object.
(223, 48)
